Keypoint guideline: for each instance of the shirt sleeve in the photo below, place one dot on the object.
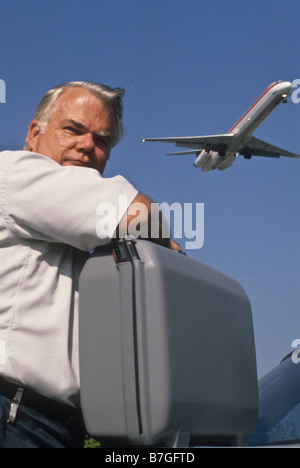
(42, 200)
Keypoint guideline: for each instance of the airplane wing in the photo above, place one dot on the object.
(256, 147)
(209, 143)
(180, 153)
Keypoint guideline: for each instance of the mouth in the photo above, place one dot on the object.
(83, 161)
(77, 162)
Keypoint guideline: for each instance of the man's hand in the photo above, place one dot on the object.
(144, 219)
(175, 246)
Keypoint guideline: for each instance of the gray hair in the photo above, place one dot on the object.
(112, 96)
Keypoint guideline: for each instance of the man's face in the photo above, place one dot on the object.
(80, 131)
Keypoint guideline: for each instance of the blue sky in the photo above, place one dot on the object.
(189, 67)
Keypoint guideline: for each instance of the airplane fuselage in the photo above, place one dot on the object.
(242, 131)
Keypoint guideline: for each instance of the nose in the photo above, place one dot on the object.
(85, 143)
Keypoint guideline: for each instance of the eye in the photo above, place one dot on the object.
(102, 142)
(71, 130)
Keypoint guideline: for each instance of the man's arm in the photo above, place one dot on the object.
(44, 201)
(144, 219)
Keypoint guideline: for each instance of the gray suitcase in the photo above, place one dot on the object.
(167, 353)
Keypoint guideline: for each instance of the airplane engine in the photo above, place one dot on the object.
(201, 159)
(227, 162)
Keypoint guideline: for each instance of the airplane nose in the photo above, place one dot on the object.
(286, 89)
(286, 93)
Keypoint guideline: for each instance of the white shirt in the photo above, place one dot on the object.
(48, 222)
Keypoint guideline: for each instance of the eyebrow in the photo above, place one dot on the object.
(73, 122)
(83, 127)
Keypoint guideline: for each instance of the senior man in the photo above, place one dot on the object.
(49, 198)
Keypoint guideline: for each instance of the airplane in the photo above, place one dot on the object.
(220, 151)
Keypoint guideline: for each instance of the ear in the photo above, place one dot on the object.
(32, 136)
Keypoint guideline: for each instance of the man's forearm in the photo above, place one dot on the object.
(144, 219)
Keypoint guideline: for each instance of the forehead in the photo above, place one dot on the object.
(83, 105)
